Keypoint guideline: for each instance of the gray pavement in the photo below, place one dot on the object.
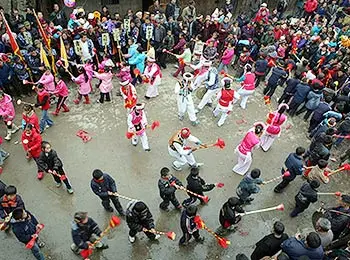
(137, 173)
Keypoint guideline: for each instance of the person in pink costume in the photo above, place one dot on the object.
(250, 141)
(124, 74)
(84, 82)
(7, 112)
(48, 81)
(275, 120)
(106, 84)
(137, 123)
(62, 92)
(262, 15)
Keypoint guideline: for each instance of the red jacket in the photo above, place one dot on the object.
(33, 119)
(34, 143)
(43, 100)
(310, 6)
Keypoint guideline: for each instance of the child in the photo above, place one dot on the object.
(29, 117)
(249, 186)
(189, 227)
(318, 172)
(47, 80)
(124, 74)
(43, 101)
(197, 185)
(84, 82)
(9, 202)
(50, 162)
(167, 191)
(62, 92)
(7, 112)
(198, 49)
(106, 84)
(31, 141)
(227, 215)
(24, 228)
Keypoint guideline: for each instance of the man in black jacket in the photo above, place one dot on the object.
(167, 191)
(103, 185)
(84, 232)
(227, 215)
(270, 244)
(294, 164)
(139, 218)
(306, 195)
(188, 226)
(197, 185)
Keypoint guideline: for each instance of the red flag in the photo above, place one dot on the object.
(46, 40)
(13, 42)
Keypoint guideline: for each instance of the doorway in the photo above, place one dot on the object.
(146, 4)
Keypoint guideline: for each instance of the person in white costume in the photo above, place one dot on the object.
(137, 123)
(154, 77)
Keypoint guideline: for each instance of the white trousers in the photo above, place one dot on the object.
(245, 94)
(199, 80)
(207, 98)
(182, 160)
(144, 140)
(186, 104)
(244, 162)
(266, 141)
(225, 111)
(152, 90)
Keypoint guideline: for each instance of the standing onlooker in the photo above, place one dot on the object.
(58, 16)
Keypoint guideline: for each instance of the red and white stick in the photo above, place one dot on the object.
(285, 174)
(204, 198)
(279, 208)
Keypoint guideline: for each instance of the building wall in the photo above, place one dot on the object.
(121, 8)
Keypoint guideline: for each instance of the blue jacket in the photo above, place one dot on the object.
(301, 93)
(5, 72)
(294, 164)
(81, 233)
(101, 188)
(295, 248)
(313, 99)
(277, 75)
(248, 186)
(291, 86)
(322, 108)
(261, 66)
(138, 59)
(24, 229)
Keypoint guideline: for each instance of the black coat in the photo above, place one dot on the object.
(339, 221)
(24, 229)
(268, 246)
(49, 161)
(81, 233)
(306, 195)
(198, 185)
(101, 188)
(165, 189)
(138, 220)
(187, 223)
(228, 213)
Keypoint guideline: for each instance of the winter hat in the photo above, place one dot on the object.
(164, 171)
(315, 184)
(97, 174)
(139, 206)
(185, 132)
(255, 173)
(191, 210)
(233, 201)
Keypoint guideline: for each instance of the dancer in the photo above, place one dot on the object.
(247, 85)
(139, 218)
(273, 130)
(106, 85)
(103, 185)
(84, 232)
(62, 92)
(129, 94)
(183, 90)
(176, 148)
(154, 76)
(250, 141)
(201, 73)
(84, 82)
(213, 87)
(7, 112)
(167, 191)
(137, 123)
(43, 101)
(228, 213)
(50, 162)
(189, 227)
(248, 186)
(226, 97)
(29, 117)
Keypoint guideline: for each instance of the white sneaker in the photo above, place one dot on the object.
(131, 239)
(14, 129)
(157, 237)
(200, 164)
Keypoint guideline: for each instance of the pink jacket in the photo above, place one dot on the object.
(7, 110)
(48, 81)
(249, 141)
(249, 81)
(227, 56)
(275, 127)
(89, 70)
(124, 74)
(84, 87)
(61, 89)
(106, 84)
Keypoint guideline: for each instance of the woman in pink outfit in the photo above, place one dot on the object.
(105, 85)
(84, 82)
(48, 81)
(62, 93)
(275, 120)
(250, 141)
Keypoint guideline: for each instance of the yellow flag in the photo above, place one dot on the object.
(43, 57)
(64, 57)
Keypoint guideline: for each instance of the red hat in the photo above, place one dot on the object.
(185, 132)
